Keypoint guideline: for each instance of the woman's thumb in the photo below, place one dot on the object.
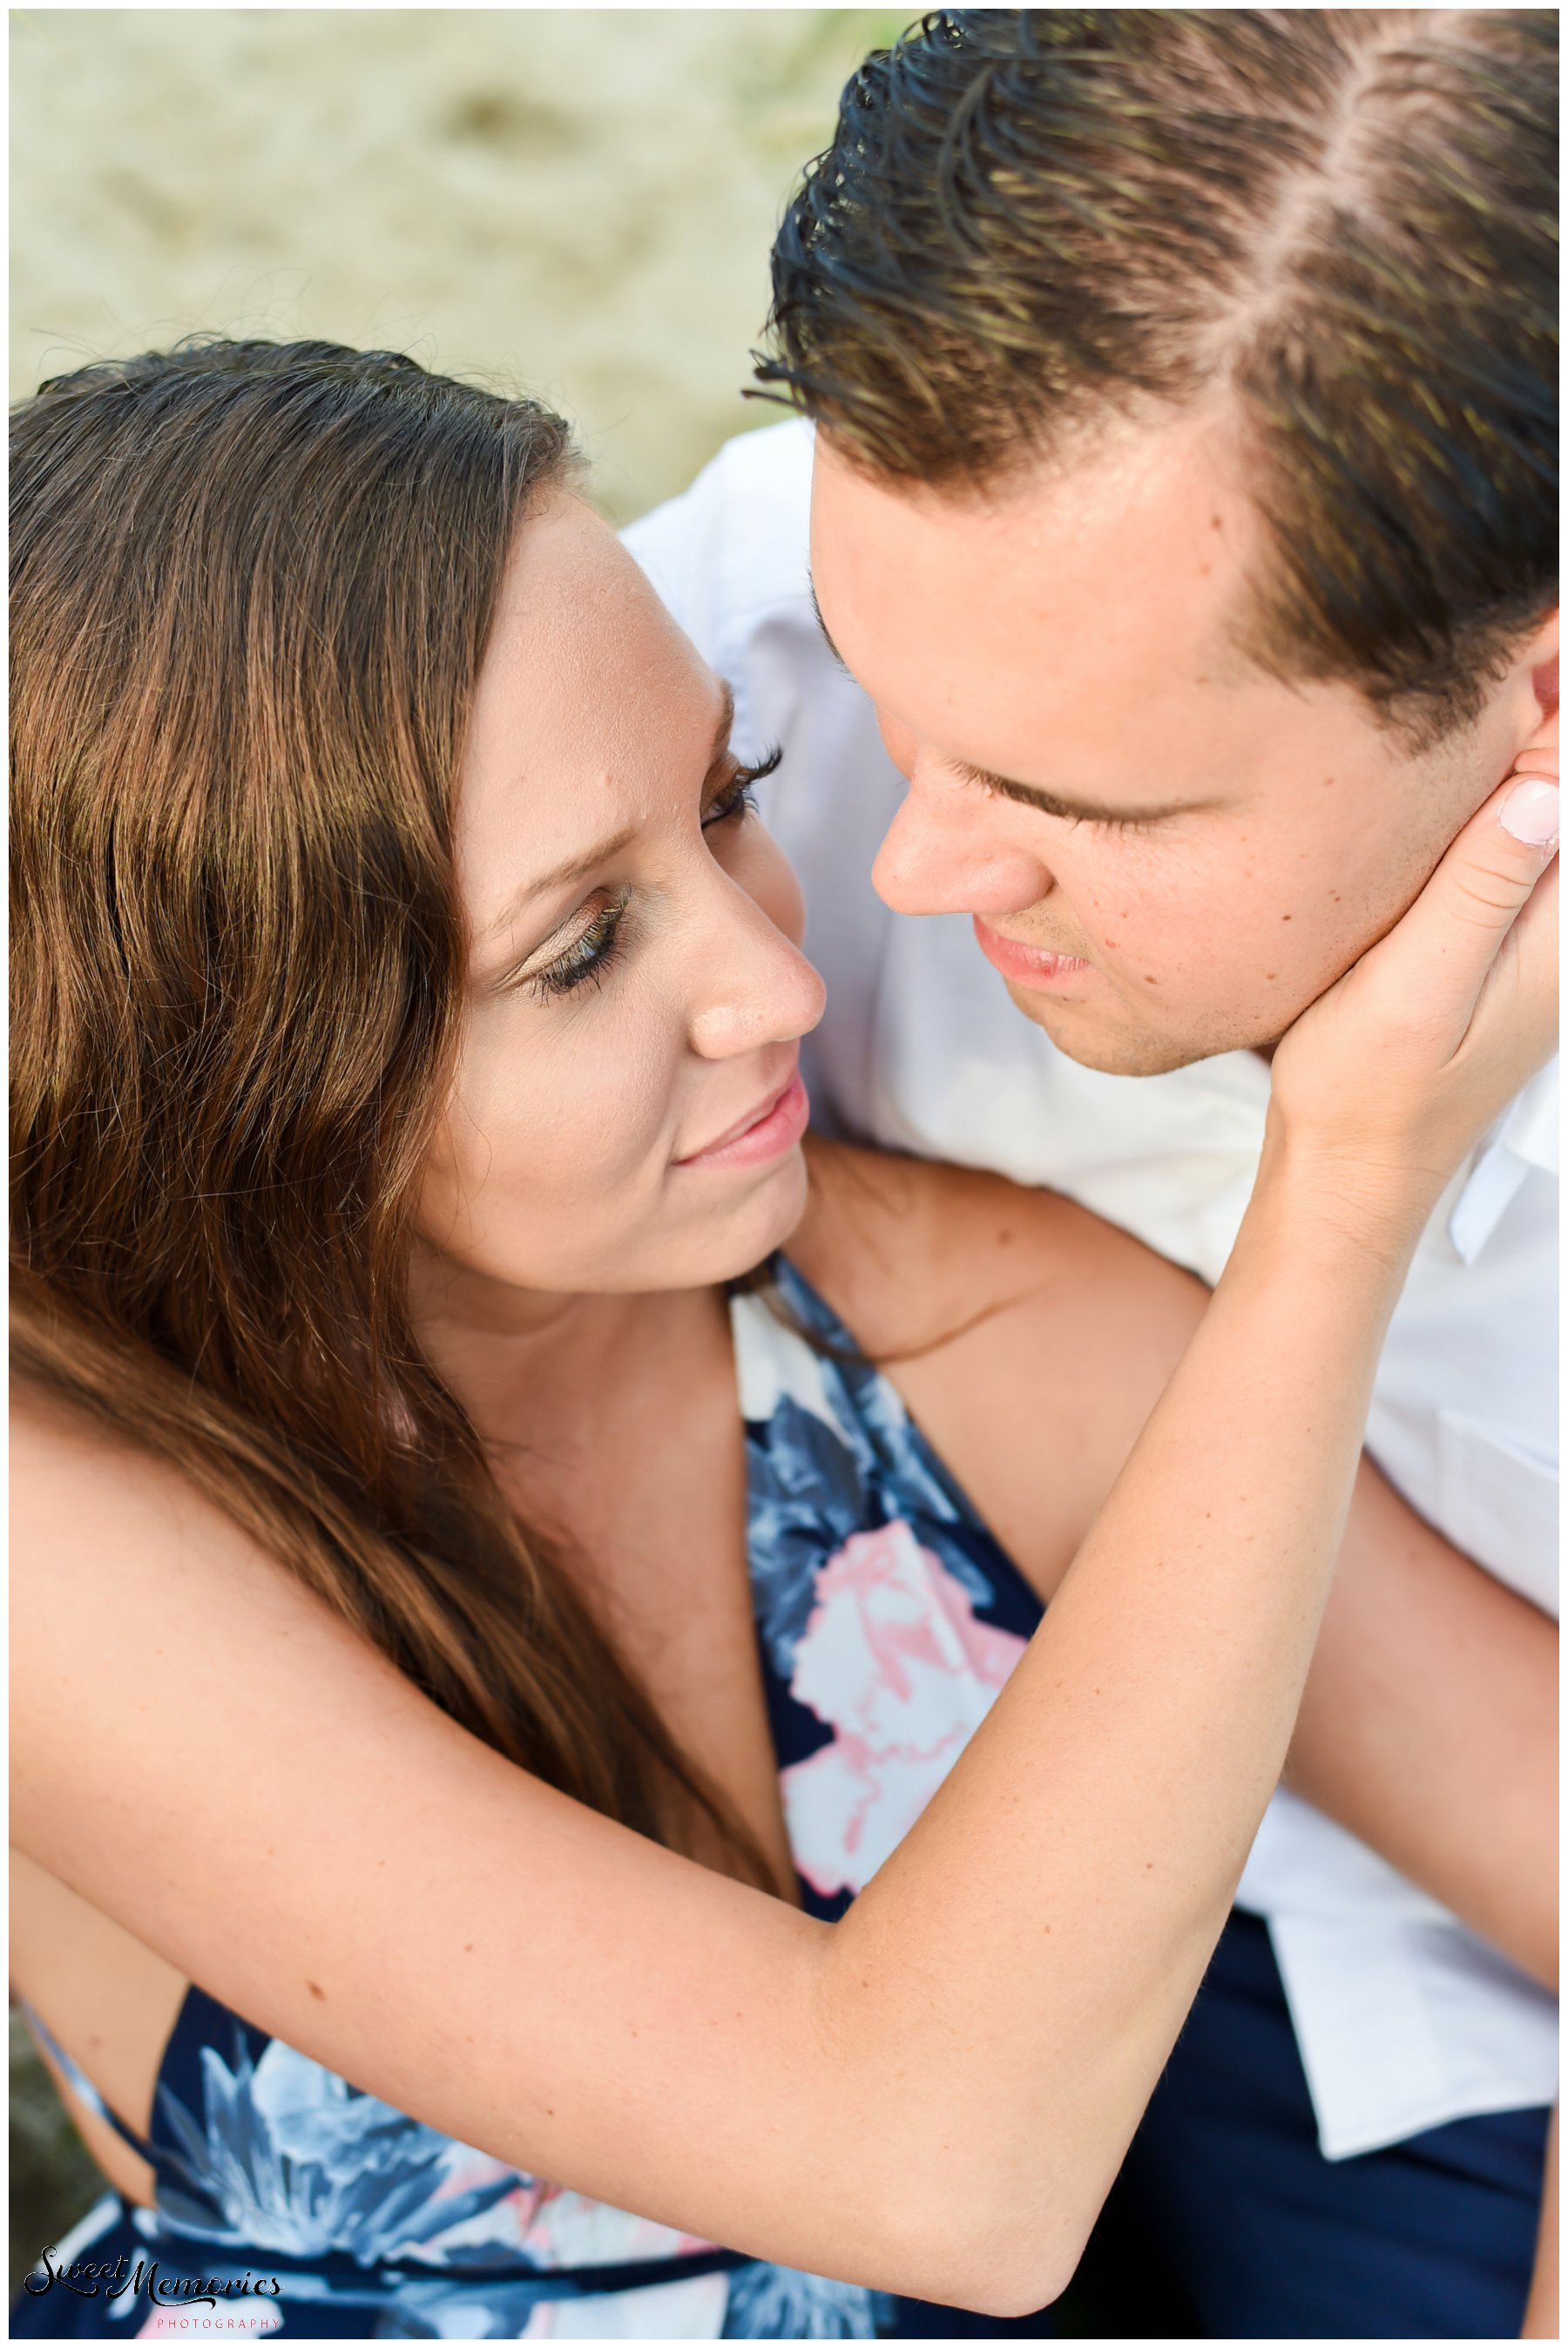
(1440, 955)
(1490, 870)
(1528, 811)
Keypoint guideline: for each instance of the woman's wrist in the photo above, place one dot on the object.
(1332, 1209)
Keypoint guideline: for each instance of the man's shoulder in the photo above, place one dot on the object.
(736, 545)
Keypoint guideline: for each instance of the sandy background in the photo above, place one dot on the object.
(579, 202)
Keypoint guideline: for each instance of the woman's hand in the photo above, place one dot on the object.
(1395, 1072)
(1386, 1081)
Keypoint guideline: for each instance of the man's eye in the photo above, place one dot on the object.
(1136, 824)
(587, 957)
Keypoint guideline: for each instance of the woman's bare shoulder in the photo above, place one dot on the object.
(68, 1467)
(46, 1429)
(84, 1492)
(907, 1248)
(1029, 1338)
(50, 1432)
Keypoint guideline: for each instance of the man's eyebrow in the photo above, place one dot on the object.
(1074, 810)
(576, 868)
(821, 623)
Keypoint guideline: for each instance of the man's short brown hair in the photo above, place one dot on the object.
(1031, 219)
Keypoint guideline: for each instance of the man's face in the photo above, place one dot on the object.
(1192, 850)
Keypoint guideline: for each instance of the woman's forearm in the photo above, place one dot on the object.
(1066, 1888)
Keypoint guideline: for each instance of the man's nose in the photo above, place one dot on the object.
(950, 850)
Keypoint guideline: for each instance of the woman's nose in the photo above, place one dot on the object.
(767, 994)
(951, 849)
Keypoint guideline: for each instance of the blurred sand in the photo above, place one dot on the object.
(576, 202)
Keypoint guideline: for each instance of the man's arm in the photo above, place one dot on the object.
(1429, 1726)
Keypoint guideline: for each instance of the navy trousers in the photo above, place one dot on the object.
(1226, 2223)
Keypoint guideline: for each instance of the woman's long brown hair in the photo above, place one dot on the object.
(252, 586)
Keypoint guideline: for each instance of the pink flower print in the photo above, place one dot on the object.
(893, 1661)
(501, 2224)
(571, 2230)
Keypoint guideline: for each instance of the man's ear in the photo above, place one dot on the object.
(1545, 666)
(1538, 754)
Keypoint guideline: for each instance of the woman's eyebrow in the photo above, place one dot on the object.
(575, 867)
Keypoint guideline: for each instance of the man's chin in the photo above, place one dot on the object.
(1125, 1051)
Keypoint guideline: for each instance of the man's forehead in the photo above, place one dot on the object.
(1142, 550)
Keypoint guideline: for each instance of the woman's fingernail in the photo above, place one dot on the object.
(1530, 811)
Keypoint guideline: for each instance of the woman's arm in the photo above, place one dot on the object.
(930, 2096)
(933, 2094)
(1031, 1341)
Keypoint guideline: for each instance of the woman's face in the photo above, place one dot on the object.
(627, 1112)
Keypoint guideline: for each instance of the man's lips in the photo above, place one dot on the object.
(1025, 965)
(774, 1125)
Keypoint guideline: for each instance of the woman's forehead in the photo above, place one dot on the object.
(581, 648)
(591, 708)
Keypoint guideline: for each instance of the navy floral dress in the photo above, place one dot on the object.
(290, 2202)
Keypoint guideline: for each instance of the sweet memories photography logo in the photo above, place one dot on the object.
(182, 2303)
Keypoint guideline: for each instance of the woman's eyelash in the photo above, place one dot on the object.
(736, 798)
(587, 957)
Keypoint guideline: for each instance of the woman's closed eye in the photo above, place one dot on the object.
(594, 946)
(588, 955)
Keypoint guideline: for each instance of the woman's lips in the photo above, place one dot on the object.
(774, 1127)
(1025, 965)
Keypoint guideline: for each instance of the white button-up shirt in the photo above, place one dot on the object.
(1404, 2018)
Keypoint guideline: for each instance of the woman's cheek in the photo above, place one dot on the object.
(452, 1203)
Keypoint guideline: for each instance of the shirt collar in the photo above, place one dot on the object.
(1530, 1129)
(1523, 1141)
